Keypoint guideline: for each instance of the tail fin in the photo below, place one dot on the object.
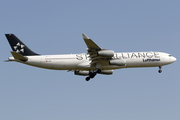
(18, 46)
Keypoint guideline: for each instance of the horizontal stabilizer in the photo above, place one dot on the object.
(7, 61)
(19, 56)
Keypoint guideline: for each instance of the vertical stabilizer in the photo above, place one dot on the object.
(18, 46)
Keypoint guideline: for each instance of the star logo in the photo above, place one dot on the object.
(19, 48)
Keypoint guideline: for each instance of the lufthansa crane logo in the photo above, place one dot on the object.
(19, 48)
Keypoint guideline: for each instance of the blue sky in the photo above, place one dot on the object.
(56, 27)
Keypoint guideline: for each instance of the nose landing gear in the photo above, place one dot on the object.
(160, 71)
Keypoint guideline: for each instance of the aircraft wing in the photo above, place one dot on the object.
(96, 54)
(90, 44)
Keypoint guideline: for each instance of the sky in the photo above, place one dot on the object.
(56, 27)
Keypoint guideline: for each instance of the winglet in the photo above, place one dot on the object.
(84, 36)
(19, 56)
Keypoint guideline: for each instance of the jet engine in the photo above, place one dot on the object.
(106, 72)
(119, 62)
(106, 53)
(86, 73)
(82, 73)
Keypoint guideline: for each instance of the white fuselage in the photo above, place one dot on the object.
(83, 62)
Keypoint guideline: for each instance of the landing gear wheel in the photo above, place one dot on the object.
(160, 71)
(88, 78)
(98, 71)
(92, 74)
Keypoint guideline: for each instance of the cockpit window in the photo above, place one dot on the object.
(170, 55)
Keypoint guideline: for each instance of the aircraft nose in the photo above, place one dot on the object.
(171, 59)
(174, 59)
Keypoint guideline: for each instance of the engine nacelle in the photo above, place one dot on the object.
(106, 72)
(82, 73)
(119, 62)
(106, 53)
(86, 73)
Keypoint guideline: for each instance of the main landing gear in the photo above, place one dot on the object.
(92, 74)
(160, 71)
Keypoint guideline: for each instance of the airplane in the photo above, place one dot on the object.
(96, 61)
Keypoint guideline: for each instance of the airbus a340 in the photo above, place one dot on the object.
(96, 61)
